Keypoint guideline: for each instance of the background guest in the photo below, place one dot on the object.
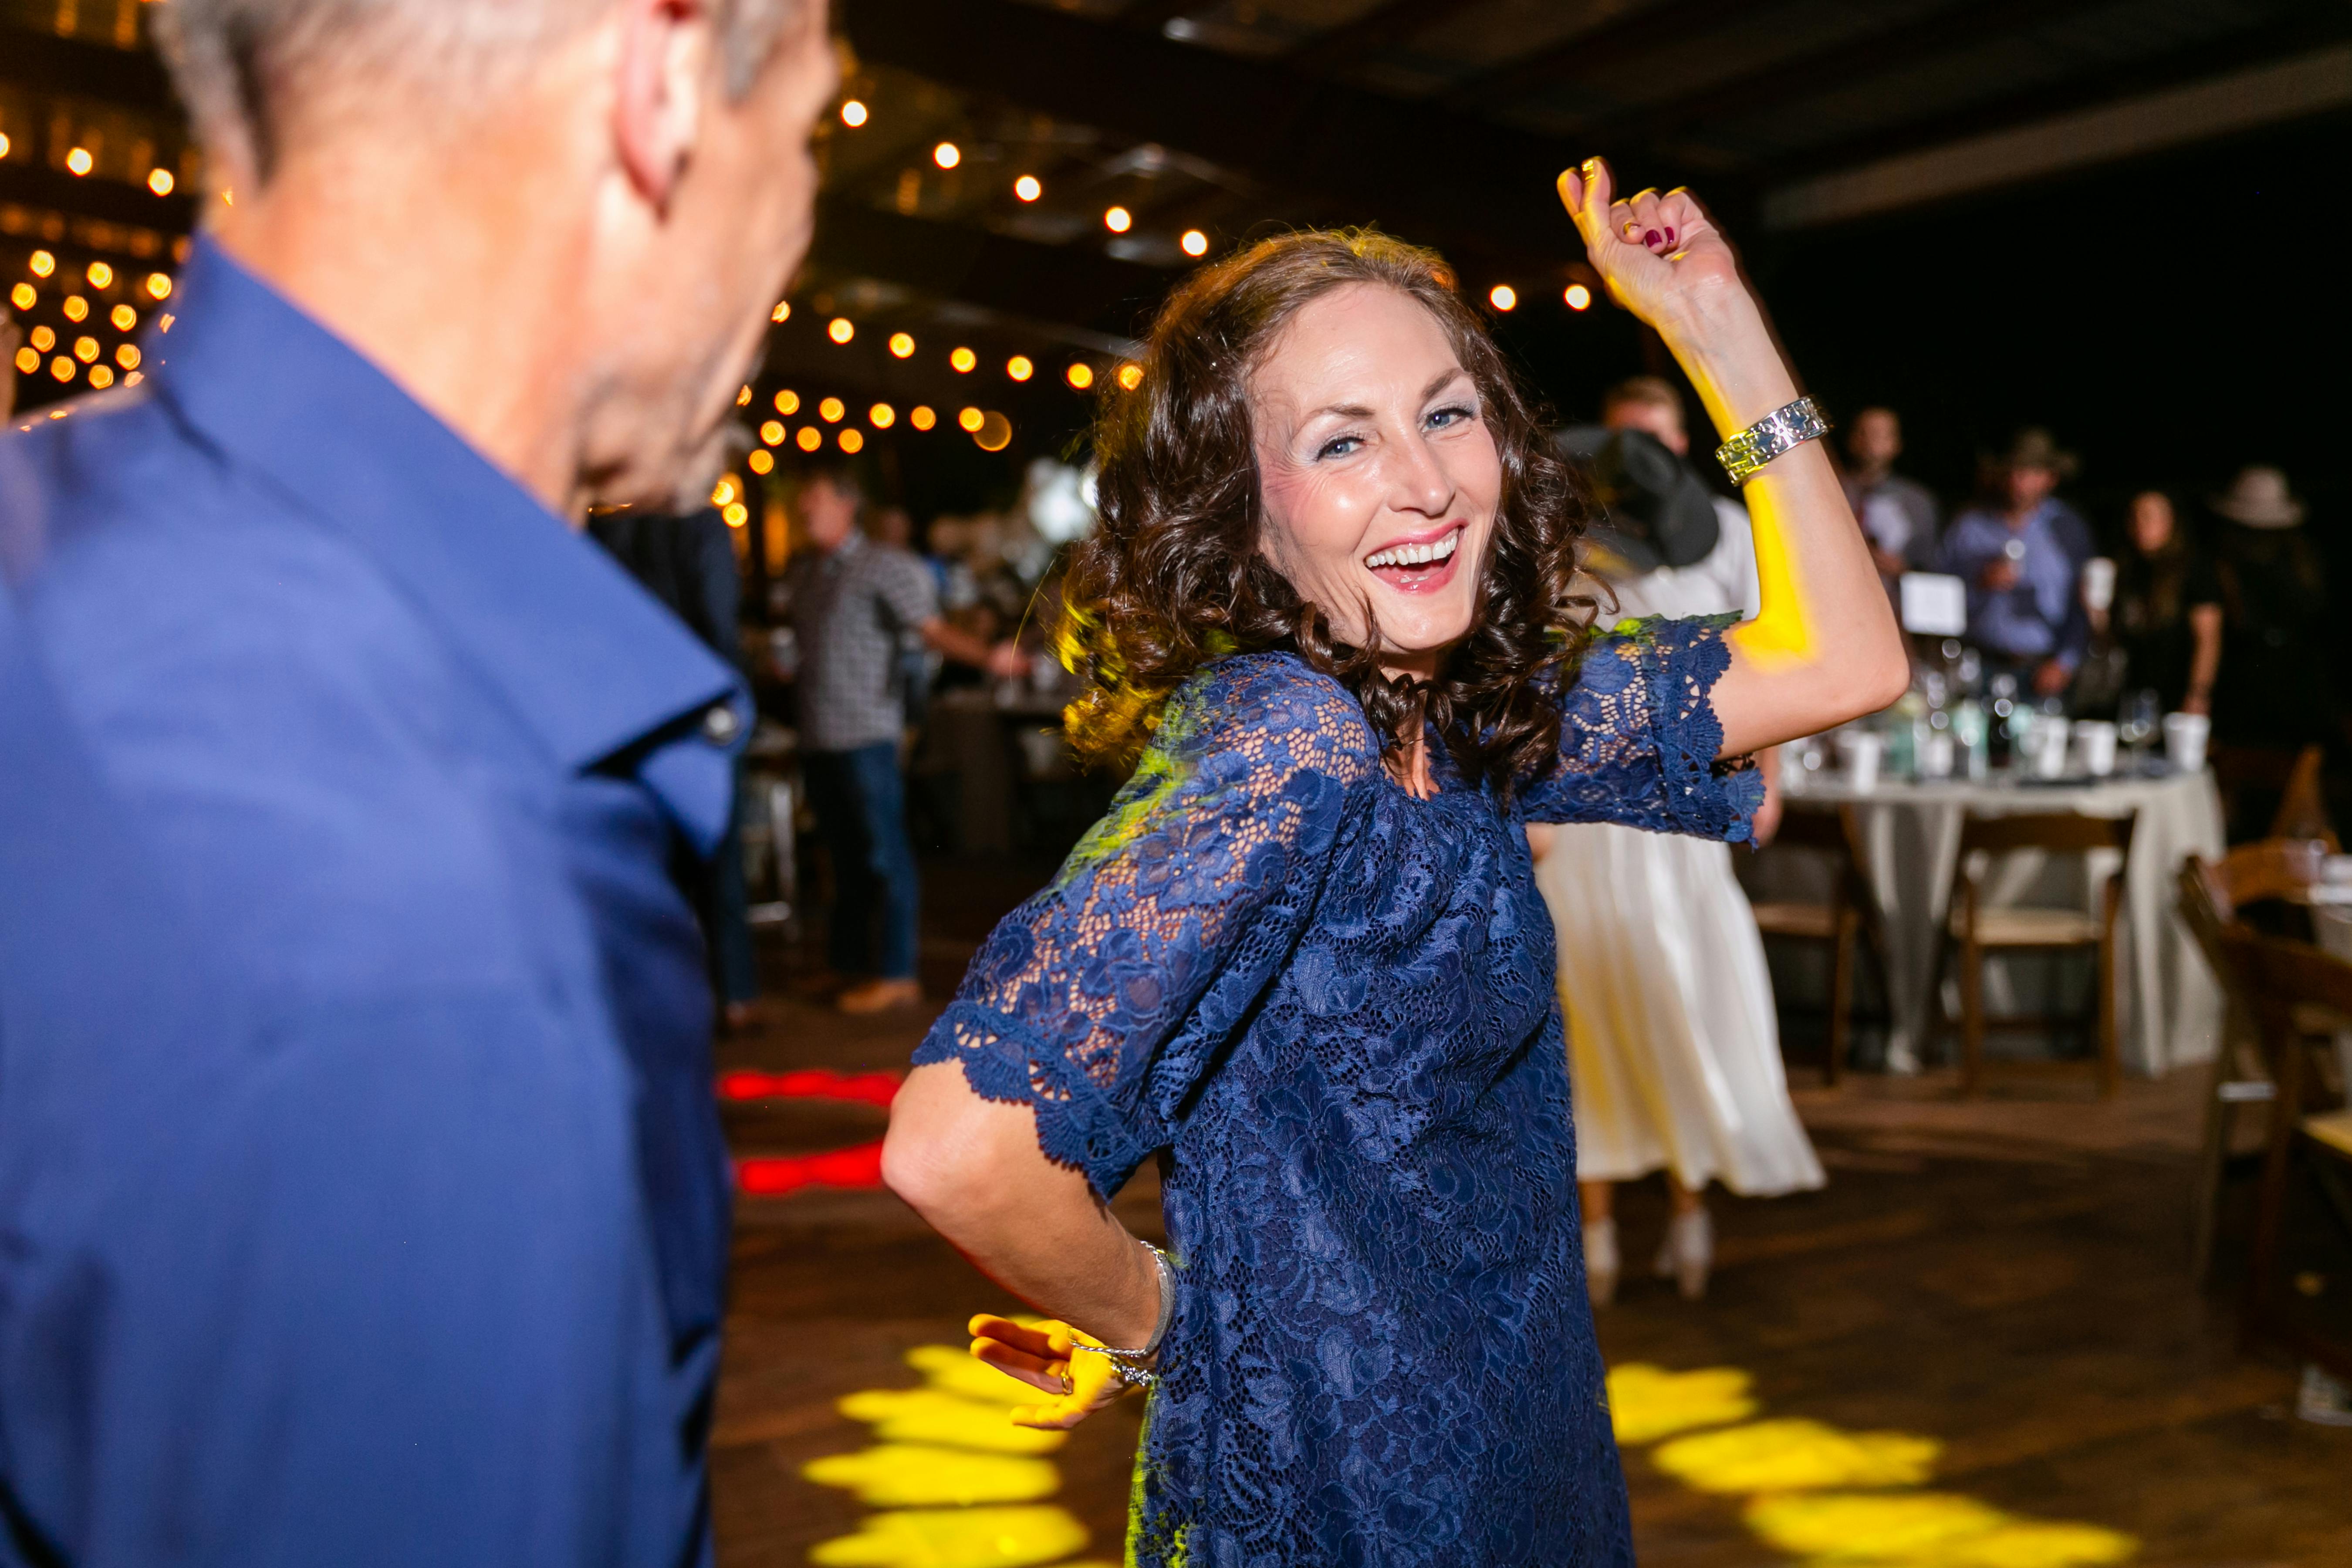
(2277, 682)
(2166, 617)
(686, 559)
(2021, 549)
(1899, 514)
(853, 604)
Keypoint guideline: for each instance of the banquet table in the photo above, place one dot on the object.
(2170, 1011)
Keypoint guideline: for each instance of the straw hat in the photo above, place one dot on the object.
(2259, 499)
(2033, 449)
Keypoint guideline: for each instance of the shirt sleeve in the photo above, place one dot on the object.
(1101, 1001)
(1638, 737)
(906, 591)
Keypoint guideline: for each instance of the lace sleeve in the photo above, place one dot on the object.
(1638, 737)
(1103, 1000)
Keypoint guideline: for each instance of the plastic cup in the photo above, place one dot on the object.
(1935, 754)
(1863, 751)
(2045, 745)
(2094, 746)
(2184, 740)
(2098, 582)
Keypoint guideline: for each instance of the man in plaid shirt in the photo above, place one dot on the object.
(853, 602)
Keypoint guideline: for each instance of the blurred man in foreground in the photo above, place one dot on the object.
(361, 1199)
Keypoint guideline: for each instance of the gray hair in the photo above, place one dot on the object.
(243, 67)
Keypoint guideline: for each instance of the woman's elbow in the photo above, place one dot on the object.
(1886, 674)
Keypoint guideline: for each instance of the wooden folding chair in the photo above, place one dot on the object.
(1973, 930)
(1845, 923)
(2308, 1119)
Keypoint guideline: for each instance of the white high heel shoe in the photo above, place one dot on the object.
(1687, 1253)
(1601, 1263)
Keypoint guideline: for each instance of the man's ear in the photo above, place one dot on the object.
(665, 63)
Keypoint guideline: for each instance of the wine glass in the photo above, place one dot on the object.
(2138, 720)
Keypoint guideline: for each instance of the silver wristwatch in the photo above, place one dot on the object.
(1790, 425)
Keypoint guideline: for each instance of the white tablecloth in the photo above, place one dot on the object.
(2171, 1011)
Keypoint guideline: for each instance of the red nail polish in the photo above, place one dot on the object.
(1670, 237)
(1650, 236)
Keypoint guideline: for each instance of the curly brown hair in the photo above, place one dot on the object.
(1173, 576)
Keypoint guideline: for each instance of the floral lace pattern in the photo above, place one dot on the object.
(1329, 1008)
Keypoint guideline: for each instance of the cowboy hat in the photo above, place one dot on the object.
(2259, 497)
(2033, 449)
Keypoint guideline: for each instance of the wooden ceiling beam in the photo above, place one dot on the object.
(1392, 22)
(1588, 54)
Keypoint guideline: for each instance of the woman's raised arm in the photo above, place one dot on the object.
(1824, 647)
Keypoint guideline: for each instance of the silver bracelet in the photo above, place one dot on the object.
(1790, 425)
(1128, 1365)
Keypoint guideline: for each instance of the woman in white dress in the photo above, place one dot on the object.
(1673, 1045)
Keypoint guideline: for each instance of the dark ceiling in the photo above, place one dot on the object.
(1440, 119)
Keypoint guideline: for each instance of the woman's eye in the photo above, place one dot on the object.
(1340, 445)
(1445, 417)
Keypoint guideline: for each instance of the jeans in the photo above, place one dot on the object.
(861, 816)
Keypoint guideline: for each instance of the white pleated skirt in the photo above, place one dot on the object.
(1673, 1046)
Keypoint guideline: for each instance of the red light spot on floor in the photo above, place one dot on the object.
(810, 1083)
(772, 1177)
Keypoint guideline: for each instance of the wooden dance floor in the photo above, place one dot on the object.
(1978, 1345)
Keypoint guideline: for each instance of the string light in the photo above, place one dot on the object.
(1028, 188)
(27, 361)
(970, 419)
(1118, 220)
(124, 317)
(76, 308)
(946, 155)
(100, 275)
(781, 313)
(127, 356)
(100, 377)
(159, 286)
(921, 417)
(42, 263)
(809, 439)
(1019, 367)
(882, 417)
(1130, 376)
(994, 433)
(1194, 243)
(160, 181)
(44, 338)
(743, 396)
(81, 163)
(831, 410)
(1080, 375)
(772, 432)
(24, 296)
(1503, 297)
(841, 328)
(963, 360)
(788, 402)
(853, 113)
(62, 368)
(735, 514)
(5, 143)
(851, 440)
(723, 492)
(902, 344)
(761, 461)
(1577, 296)
(86, 349)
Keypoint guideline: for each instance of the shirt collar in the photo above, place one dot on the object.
(584, 658)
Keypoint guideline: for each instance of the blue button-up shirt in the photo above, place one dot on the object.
(2041, 616)
(362, 1196)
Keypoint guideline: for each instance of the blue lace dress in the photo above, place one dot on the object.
(1329, 1007)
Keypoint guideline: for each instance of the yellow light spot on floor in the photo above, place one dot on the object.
(1648, 1403)
(1929, 1529)
(955, 1538)
(928, 1416)
(1788, 1455)
(900, 1475)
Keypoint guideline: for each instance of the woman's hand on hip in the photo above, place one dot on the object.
(1046, 1356)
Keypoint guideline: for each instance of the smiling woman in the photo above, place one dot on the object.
(1330, 610)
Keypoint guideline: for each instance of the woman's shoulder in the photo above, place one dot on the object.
(1275, 709)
